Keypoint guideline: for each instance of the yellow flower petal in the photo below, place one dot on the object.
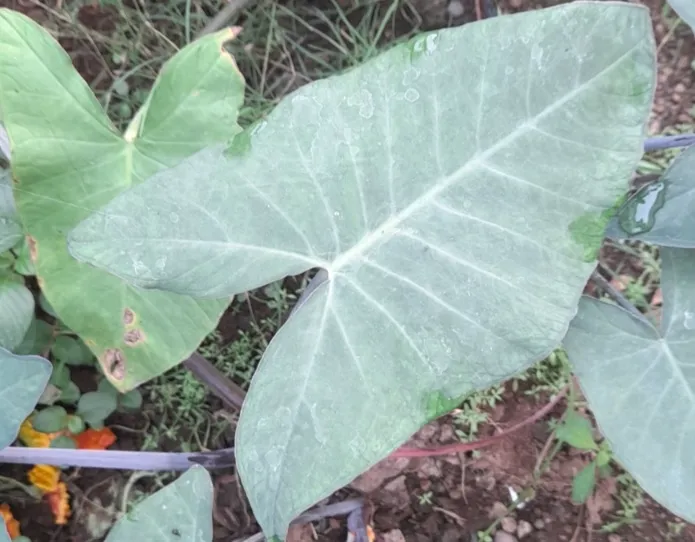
(44, 477)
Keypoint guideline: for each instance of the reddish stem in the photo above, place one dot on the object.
(459, 447)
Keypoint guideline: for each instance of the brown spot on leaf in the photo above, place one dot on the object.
(133, 337)
(114, 363)
(33, 248)
(128, 317)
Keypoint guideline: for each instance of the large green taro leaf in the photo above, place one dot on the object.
(662, 213)
(23, 381)
(10, 229)
(180, 511)
(68, 160)
(640, 383)
(455, 191)
(16, 310)
(685, 10)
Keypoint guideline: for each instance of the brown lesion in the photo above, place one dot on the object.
(114, 363)
(33, 249)
(128, 317)
(133, 337)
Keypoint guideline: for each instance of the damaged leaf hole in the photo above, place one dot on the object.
(114, 363)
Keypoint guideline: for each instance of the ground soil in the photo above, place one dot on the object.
(463, 492)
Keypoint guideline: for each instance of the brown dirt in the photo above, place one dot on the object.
(463, 491)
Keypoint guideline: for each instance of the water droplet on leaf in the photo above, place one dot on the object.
(639, 213)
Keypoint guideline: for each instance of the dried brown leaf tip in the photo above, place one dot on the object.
(114, 363)
(133, 337)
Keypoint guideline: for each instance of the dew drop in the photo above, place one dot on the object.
(410, 75)
(174, 217)
(411, 95)
(161, 263)
(336, 213)
(639, 213)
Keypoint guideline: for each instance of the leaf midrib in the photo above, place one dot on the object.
(388, 227)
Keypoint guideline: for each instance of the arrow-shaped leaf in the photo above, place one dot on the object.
(68, 161)
(454, 189)
(663, 212)
(640, 383)
(23, 380)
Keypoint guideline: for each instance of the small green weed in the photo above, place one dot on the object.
(630, 498)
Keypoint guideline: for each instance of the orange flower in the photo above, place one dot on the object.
(11, 524)
(59, 500)
(33, 438)
(45, 478)
(91, 439)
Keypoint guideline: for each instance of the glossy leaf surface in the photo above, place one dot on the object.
(68, 161)
(455, 189)
(662, 213)
(640, 383)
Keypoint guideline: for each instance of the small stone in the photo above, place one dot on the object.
(501, 536)
(539, 524)
(523, 529)
(508, 524)
(613, 538)
(497, 511)
(516, 4)
(679, 88)
(394, 536)
(455, 8)
(446, 433)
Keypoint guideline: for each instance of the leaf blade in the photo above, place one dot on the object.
(183, 509)
(68, 160)
(16, 312)
(647, 414)
(24, 379)
(404, 293)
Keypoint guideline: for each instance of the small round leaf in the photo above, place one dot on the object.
(50, 420)
(94, 407)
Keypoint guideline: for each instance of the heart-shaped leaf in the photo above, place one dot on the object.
(16, 312)
(68, 160)
(663, 212)
(685, 10)
(23, 380)
(455, 189)
(10, 229)
(640, 383)
(180, 511)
